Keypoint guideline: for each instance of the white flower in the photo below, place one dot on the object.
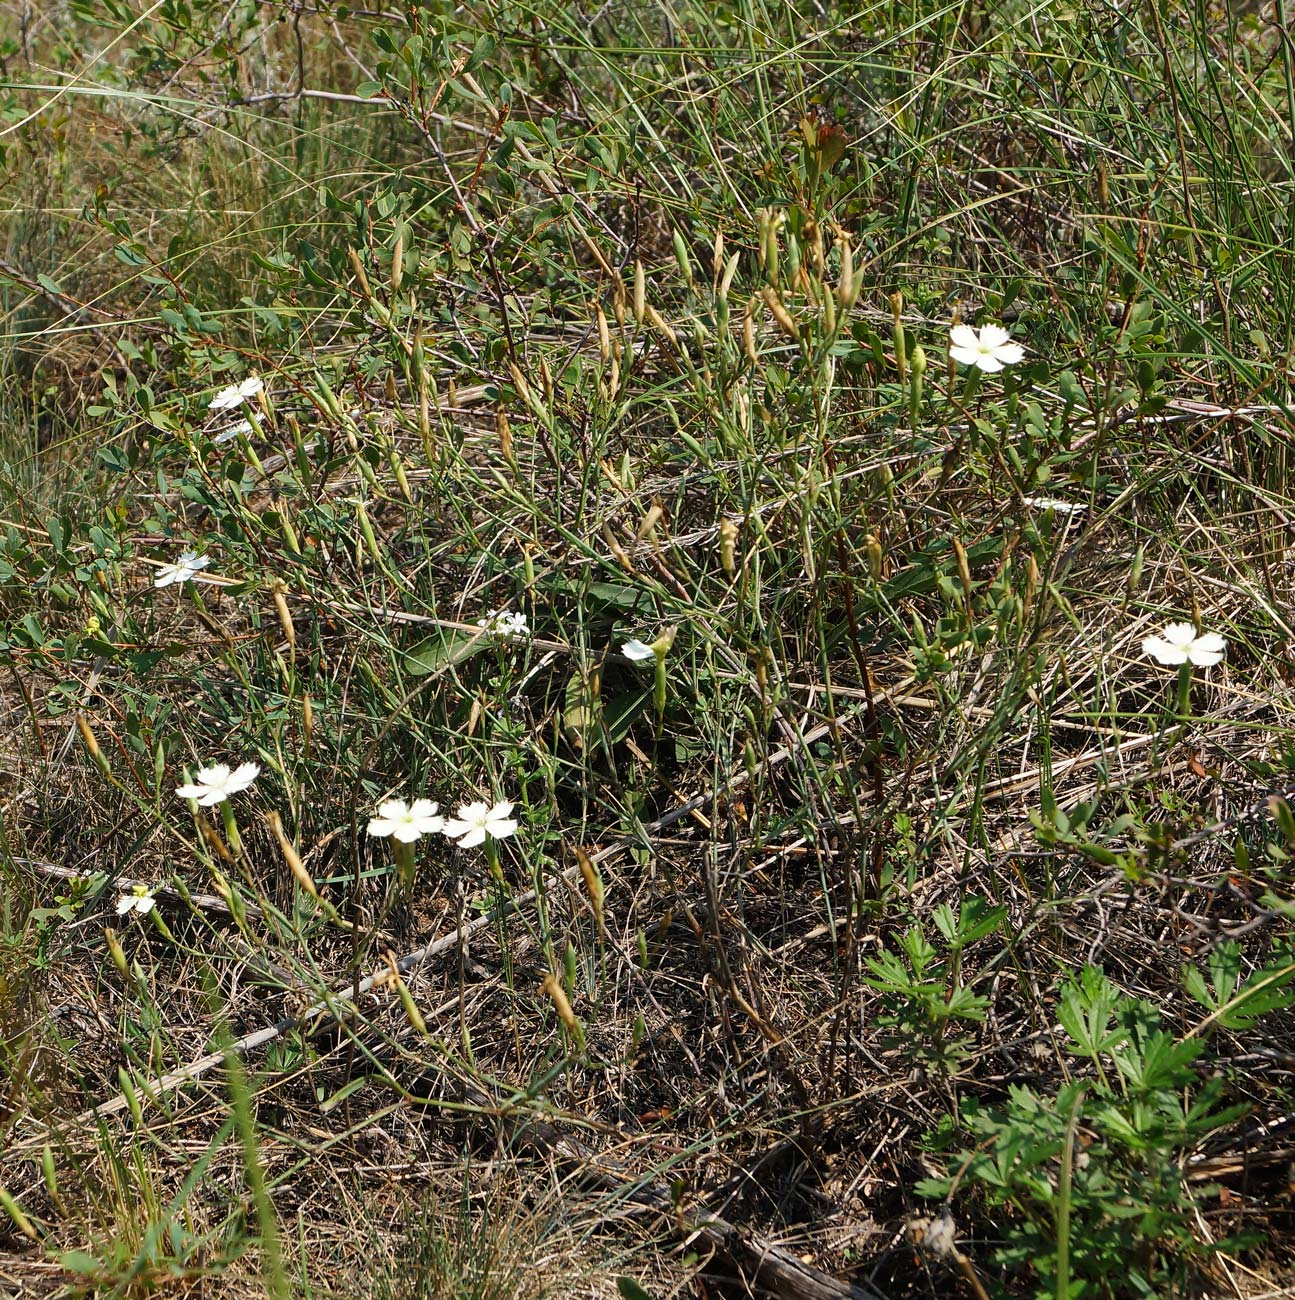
(407, 822)
(215, 784)
(182, 570)
(1180, 644)
(638, 652)
(228, 398)
(477, 820)
(140, 899)
(505, 624)
(989, 349)
(1054, 503)
(228, 435)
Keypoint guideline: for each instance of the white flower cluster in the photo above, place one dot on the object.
(409, 822)
(505, 624)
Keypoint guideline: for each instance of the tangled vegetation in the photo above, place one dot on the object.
(647, 649)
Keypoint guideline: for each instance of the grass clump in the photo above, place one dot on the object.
(780, 516)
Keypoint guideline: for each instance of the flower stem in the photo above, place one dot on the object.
(405, 865)
(1183, 703)
(232, 836)
(492, 861)
(658, 692)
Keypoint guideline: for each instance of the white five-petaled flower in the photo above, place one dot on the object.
(990, 348)
(477, 820)
(505, 624)
(638, 652)
(182, 570)
(406, 822)
(1180, 643)
(216, 783)
(1055, 503)
(236, 394)
(140, 899)
(228, 435)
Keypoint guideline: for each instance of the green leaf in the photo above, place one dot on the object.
(441, 650)
(622, 711)
(79, 1261)
(623, 596)
(630, 1289)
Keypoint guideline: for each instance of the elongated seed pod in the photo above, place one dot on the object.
(290, 854)
(593, 884)
(552, 987)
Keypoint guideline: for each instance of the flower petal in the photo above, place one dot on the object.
(992, 337)
(243, 777)
(637, 651)
(475, 836)
(422, 809)
(381, 827)
(963, 336)
(1163, 651)
(990, 365)
(501, 828)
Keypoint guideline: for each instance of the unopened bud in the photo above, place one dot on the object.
(92, 745)
(358, 267)
(397, 262)
(876, 556)
(116, 952)
(780, 313)
(847, 291)
(290, 854)
(552, 986)
(593, 884)
(285, 614)
(681, 256)
(964, 570)
(728, 531)
(650, 520)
